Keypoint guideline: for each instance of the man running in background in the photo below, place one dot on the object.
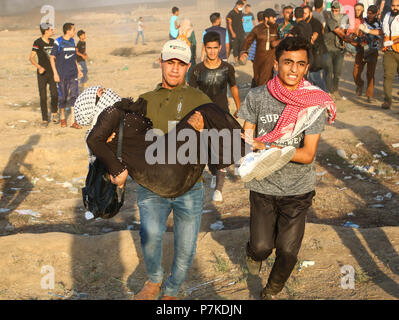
(236, 28)
(41, 49)
(212, 77)
(140, 31)
(216, 21)
(66, 71)
(174, 24)
(82, 58)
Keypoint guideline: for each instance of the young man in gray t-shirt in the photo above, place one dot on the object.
(279, 203)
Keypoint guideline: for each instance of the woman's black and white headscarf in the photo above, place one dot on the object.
(87, 110)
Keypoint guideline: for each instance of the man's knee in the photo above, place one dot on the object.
(258, 251)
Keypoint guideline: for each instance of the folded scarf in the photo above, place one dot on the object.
(304, 105)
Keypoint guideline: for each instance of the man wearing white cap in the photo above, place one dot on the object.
(166, 106)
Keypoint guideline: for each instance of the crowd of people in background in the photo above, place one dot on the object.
(286, 46)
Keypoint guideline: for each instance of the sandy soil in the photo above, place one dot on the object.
(103, 259)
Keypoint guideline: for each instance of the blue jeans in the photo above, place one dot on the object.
(140, 33)
(333, 64)
(154, 212)
(67, 88)
(83, 65)
(316, 79)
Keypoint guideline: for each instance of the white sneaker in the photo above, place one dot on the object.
(213, 182)
(287, 154)
(255, 163)
(217, 196)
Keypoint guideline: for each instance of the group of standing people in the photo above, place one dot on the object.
(62, 65)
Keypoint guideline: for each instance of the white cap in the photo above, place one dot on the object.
(176, 49)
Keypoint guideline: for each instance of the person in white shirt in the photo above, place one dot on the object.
(140, 31)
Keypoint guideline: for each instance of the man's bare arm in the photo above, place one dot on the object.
(32, 60)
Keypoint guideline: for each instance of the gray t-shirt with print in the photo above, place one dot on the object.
(262, 109)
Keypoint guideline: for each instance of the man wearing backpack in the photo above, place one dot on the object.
(66, 71)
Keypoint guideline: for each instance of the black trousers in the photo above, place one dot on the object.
(43, 80)
(277, 222)
(236, 44)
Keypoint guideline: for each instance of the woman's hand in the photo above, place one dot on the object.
(121, 179)
(196, 121)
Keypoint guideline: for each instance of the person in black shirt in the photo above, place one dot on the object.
(318, 50)
(212, 77)
(302, 28)
(41, 49)
(236, 28)
(82, 57)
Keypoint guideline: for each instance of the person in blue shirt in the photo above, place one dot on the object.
(248, 20)
(66, 71)
(174, 24)
(216, 21)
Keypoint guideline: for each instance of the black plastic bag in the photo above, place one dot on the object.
(100, 196)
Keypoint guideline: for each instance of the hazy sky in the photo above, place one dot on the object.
(16, 6)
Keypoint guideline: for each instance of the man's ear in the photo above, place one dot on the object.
(275, 66)
(160, 62)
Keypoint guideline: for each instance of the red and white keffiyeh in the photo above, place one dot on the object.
(303, 107)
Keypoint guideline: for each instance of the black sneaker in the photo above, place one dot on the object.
(253, 266)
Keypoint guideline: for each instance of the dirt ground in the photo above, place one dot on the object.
(42, 170)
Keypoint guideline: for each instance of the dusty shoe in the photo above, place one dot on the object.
(253, 266)
(386, 106)
(287, 154)
(264, 295)
(150, 291)
(255, 164)
(44, 124)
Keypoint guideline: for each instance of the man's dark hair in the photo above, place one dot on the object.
(214, 17)
(260, 16)
(359, 4)
(175, 9)
(44, 27)
(287, 7)
(298, 13)
(239, 3)
(318, 4)
(80, 32)
(211, 36)
(308, 7)
(295, 43)
(67, 26)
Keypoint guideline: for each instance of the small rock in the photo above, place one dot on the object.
(341, 153)
(376, 206)
(320, 174)
(354, 156)
(378, 156)
(359, 144)
(348, 224)
(348, 178)
(350, 214)
(384, 153)
(379, 198)
(89, 215)
(388, 195)
(395, 145)
(217, 226)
